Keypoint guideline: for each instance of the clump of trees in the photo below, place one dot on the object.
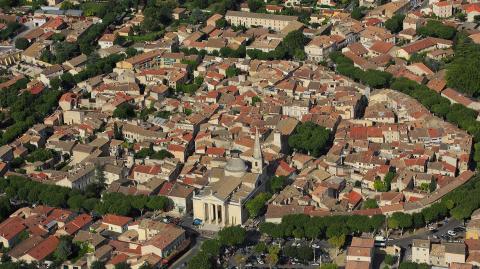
(149, 152)
(304, 226)
(413, 265)
(257, 205)
(25, 109)
(385, 184)
(97, 66)
(41, 155)
(436, 28)
(22, 43)
(373, 78)
(292, 47)
(10, 31)
(310, 138)
(124, 111)
(22, 189)
(190, 88)
(211, 248)
(462, 72)
(357, 13)
(156, 17)
(395, 23)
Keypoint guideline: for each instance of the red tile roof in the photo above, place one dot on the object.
(354, 198)
(45, 248)
(148, 169)
(11, 227)
(116, 220)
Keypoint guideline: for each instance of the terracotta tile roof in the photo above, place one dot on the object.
(175, 190)
(77, 223)
(456, 96)
(116, 220)
(44, 248)
(354, 198)
(147, 169)
(11, 227)
(166, 237)
(382, 47)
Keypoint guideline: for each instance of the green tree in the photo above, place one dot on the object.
(131, 51)
(124, 111)
(156, 17)
(97, 265)
(395, 23)
(139, 202)
(389, 259)
(76, 201)
(328, 266)
(255, 100)
(41, 155)
(357, 13)
(436, 28)
(232, 236)
(277, 183)
(257, 204)
(310, 138)
(294, 41)
(197, 16)
(64, 249)
(370, 203)
(272, 257)
(122, 265)
(379, 185)
(117, 132)
(232, 72)
(260, 247)
(211, 247)
(432, 186)
(337, 242)
(158, 203)
(200, 261)
(255, 5)
(462, 73)
(100, 176)
(22, 43)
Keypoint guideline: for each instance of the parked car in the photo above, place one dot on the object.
(451, 233)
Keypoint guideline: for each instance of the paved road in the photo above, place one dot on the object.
(425, 234)
(188, 255)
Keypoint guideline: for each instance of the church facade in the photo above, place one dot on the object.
(222, 201)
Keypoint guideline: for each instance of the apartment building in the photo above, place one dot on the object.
(247, 19)
(360, 253)
(443, 9)
(440, 255)
(421, 251)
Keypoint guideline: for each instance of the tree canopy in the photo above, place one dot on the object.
(124, 111)
(22, 43)
(462, 72)
(310, 138)
(395, 23)
(436, 28)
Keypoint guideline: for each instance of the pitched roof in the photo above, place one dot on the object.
(44, 248)
(116, 220)
(11, 227)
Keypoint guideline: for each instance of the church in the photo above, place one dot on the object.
(222, 201)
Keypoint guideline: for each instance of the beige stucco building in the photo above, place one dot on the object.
(421, 251)
(440, 255)
(249, 19)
